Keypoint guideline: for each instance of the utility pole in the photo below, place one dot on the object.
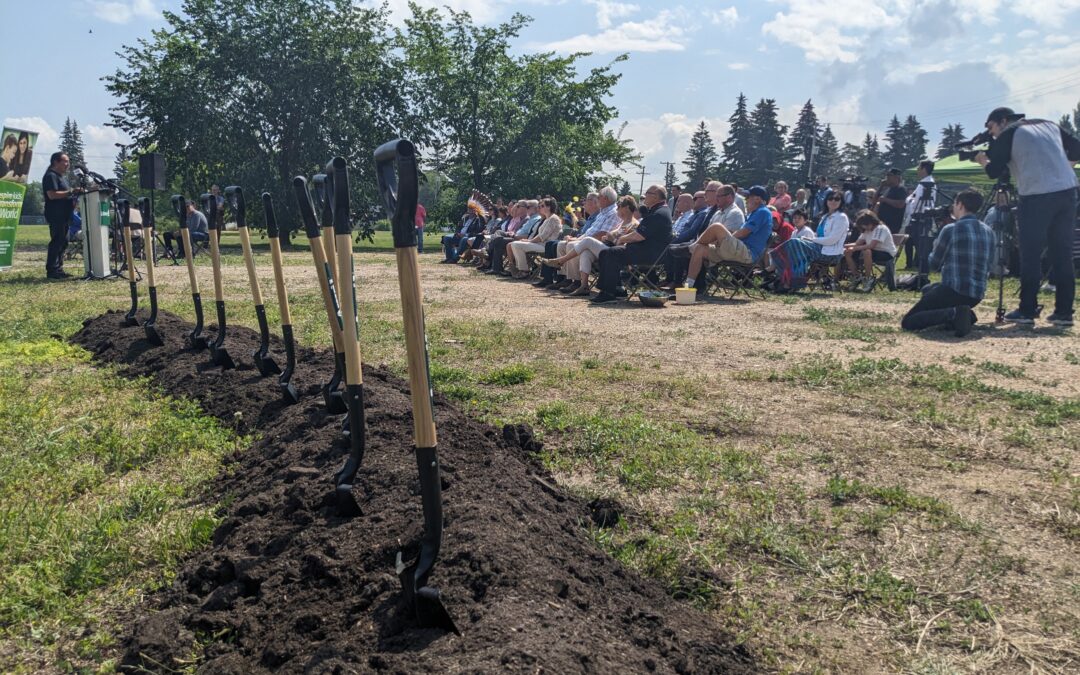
(667, 165)
(643, 174)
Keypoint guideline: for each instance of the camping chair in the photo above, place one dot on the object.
(821, 276)
(734, 277)
(886, 272)
(638, 277)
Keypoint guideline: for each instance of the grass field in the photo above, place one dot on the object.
(841, 495)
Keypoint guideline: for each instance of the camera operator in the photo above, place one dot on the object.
(890, 203)
(821, 195)
(922, 199)
(1039, 155)
(962, 252)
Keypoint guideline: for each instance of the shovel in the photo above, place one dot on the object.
(337, 193)
(146, 210)
(335, 400)
(195, 338)
(318, 181)
(124, 207)
(219, 356)
(234, 195)
(287, 389)
(395, 164)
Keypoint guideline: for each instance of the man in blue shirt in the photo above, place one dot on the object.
(744, 245)
(817, 207)
(962, 252)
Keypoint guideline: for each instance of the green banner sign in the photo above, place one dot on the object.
(11, 201)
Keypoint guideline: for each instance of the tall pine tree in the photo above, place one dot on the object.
(738, 148)
(950, 136)
(894, 148)
(670, 178)
(873, 164)
(71, 142)
(827, 161)
(624, 189)
(801, 140)
(120, 166)
(700, 156)
(915, 141)
(852, 158)
(770, 150)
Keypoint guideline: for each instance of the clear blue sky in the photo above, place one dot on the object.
(860, 61)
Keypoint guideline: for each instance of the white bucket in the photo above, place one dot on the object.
(685, 296)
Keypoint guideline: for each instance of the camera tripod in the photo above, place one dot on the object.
(922, 215)
(1003, 199)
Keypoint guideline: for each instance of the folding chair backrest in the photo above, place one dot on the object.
(898, 240)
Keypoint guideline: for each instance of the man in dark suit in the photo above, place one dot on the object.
(453, 245)
(641, 246)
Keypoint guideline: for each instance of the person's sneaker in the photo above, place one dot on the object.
(561, 284)
(603, 297)
(56, 275)
(543, 283)
(1018, 318)
(961, 320)
(571, 287)
(1048, 288)
(867, 285)
(1060, 320)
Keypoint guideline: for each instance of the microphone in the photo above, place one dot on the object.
(79, 172)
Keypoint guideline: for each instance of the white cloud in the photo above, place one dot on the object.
(1047, 13)
(724, 17)
(738, 66)
(662, 33)
(99, 146)
(123, 11)
(608, 11)
(1027, 34)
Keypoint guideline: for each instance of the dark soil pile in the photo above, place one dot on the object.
(289, 585)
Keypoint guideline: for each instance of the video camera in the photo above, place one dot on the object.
(967, 148)
(855, 184)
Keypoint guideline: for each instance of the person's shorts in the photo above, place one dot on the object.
(880, 256)
(729, 249)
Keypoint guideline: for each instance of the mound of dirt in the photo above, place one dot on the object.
(288, 585)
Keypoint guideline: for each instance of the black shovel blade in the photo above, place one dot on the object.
(289, 393)
(265, 363)
(335, 400)
(197, 342)
(220, 356)
(347, 505)
(426, 601)
(152, 335)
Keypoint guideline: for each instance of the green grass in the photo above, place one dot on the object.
(98, 480)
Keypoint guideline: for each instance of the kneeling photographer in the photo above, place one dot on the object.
(962, 252)
(1039, 155)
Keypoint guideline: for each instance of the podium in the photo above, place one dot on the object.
(97, 218)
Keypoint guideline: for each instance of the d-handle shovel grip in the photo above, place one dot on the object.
(146, 213)
(234, 195)
(395, 168)
(123, 207)
(209, 205)
(307, 209)
(179, 205)
(271, 217)
(337, 184)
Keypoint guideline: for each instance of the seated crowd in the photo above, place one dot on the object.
(587, 251)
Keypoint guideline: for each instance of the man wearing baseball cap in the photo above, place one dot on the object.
(1039, 155)
(744, 245)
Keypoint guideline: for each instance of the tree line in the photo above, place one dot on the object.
(257, 91)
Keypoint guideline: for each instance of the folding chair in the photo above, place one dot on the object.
(734, 277)
(887, 271)
(821, 276)
(162, 252)
(639, 277)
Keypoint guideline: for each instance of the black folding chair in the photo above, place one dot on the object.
(733, 278)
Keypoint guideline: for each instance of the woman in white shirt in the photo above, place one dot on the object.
(791, 260)
(875, 245)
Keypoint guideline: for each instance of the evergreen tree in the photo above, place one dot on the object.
(950, 136)
(670, 178)
(1066, 123)
(827, 162)
(700, 156)
(770, 151)
(894, 148)
(873, 166)
(852, 159)
(915, 140)
(739, 147)
(120, 168)
(624, 189)
(801, 140)
(71, 142)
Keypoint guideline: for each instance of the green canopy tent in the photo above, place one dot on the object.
(953, 171)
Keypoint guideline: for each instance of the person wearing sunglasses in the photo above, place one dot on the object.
(791, 260)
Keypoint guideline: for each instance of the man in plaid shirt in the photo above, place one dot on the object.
(962, 253)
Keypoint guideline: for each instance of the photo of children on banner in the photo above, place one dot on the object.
(16, 154)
